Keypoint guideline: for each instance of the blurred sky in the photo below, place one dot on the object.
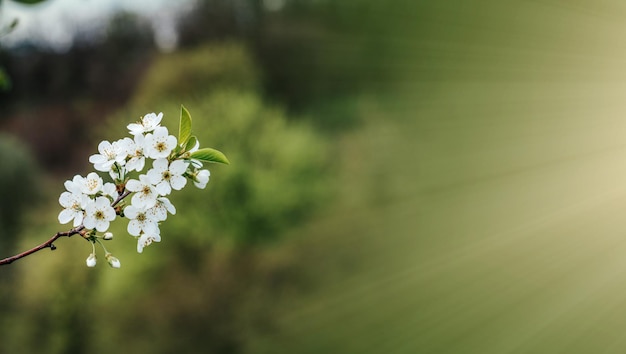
(54, 24)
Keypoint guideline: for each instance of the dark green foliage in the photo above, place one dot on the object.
(278, 171)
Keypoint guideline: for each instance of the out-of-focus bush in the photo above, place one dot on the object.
(278, 172)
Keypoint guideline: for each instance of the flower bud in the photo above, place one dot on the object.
(113, 262)
(91, 260)
(107, 236)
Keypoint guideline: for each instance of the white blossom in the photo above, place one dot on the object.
(98, 214)
(108, 155)
(140, 221)
(91, 260)
(165, 178)
(145, 194)
(146, 239)
(159, 211)
(91, 184)
(159, 144)
(137, 158)
(113, 261)
(201, 178)
(107, 236)
(74, 205)
(148, 123)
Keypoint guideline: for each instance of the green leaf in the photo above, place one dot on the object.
(184, 127)
(210, 155)
(191, 143)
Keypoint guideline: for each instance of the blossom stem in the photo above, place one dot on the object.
(101, 245)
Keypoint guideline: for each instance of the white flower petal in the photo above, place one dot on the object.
(178, 182)
(134, 228)
(160, 165)
(78, 218)
(133, 185)
(131, 211)
(89, 222)
(163, 188)
(66, 216)
(102, 225)
(66, 199)
(178, 167)
(154, 176)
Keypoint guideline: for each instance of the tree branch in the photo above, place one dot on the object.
(50, 242)
(47, 244)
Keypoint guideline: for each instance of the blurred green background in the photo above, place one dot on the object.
(406, 177)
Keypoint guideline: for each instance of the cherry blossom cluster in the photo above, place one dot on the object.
(92, 204)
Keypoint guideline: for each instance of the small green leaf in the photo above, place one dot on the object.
(191, 143)
(210, 155)
(184, 127)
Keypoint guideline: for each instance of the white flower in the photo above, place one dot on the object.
(91, 184)
(113, 262)
(107, 236)
(140, 221)
(73, 205)
(201, 178)
(137, 159)
(98, 214)
(159, 144)
(147, 239)
(165, 178)
(108, 155)
(145, 195)
(148, 123)
(91, 260)
(159, 211)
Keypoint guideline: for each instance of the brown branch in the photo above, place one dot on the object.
(47, 244)
(50, 242)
